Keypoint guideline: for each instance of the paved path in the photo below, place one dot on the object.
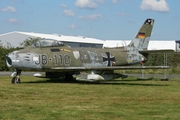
(23, 73)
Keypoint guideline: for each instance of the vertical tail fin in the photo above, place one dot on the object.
(142, 38)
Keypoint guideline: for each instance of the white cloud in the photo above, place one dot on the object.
(13, 20)
(121, 14)
(155, 5)
(123, 1)
(114, 1)
(63, 5)
(100, 1)
(90, 4)
(91, 17)
(69, 12)
(9, 9)
(72, 26)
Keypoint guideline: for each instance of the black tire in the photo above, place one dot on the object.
(15, 80)
(69, 78)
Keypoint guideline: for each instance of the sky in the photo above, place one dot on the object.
(101, 19)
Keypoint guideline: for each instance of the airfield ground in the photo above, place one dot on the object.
(49, 99)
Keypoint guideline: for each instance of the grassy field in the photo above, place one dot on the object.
(130, 99)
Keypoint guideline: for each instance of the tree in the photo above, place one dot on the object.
(29, 41)
(3, 53)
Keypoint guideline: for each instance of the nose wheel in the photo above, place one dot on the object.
(16, 77)
(16, 80)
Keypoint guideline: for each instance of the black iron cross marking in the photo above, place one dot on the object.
(109, 59)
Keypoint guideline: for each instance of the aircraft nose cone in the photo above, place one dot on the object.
(10, 57)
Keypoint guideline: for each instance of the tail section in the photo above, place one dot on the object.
(142, 38)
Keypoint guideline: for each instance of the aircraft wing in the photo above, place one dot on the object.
(107, 68)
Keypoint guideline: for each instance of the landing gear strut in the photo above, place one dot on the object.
(16, 76)
(69, 77)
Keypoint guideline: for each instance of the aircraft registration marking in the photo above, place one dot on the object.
(44, 60)
(58, 60)
(62, 60)
(67, 60)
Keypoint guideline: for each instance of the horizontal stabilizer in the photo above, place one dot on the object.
(156, 51)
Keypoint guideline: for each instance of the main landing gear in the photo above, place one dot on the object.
(16, 76)
(69, 77)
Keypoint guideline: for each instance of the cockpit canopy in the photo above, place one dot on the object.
(48, 43)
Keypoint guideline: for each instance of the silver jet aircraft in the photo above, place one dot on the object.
(59, 60)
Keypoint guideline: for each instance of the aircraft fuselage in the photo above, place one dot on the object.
(45, 58)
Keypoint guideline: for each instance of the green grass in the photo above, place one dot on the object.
(130, 99)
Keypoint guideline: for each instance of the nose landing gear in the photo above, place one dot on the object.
(16, 76)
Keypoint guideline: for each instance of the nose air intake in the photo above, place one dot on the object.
(8, 61)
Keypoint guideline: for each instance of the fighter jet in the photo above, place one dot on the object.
(57, 59)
